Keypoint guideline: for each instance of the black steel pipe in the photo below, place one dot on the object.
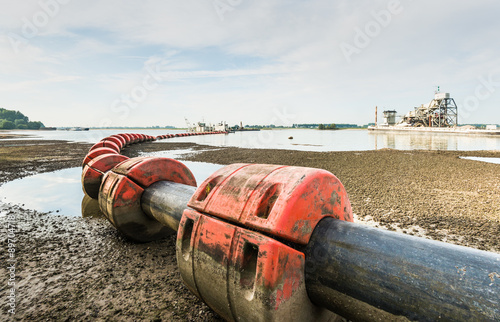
(350, 265)
(165, 201)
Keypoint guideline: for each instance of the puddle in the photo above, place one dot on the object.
(483, 159)
(61, 191)
(200, 170)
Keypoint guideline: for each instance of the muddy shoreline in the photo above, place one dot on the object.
(81, 268)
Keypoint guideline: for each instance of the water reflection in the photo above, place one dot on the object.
(483, 159)
(58, 192)
(61, 191)
(90, 208)
(430, 141)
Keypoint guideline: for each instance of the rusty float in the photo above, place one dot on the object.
(245, 247)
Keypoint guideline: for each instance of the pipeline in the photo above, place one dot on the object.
(268, 243)
(105, 155)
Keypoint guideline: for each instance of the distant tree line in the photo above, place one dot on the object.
(136, 127)
(256, 126)
(10, 120)
(323, 126)
(327, 127)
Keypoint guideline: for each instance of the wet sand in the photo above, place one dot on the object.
(81, 268)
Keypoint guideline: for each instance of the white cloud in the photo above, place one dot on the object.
(28, 85)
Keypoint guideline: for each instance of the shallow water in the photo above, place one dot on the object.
(61, 191)
(482, 159)
(303, 139)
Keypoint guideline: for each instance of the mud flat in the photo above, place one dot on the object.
(82, 269)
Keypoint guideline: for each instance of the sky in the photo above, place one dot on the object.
(159, 62)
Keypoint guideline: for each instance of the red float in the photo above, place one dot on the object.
(114, 140)
(122, 188)
(106, 144)
(283, 201)
(120, 138)
(97, 152)
(242, 274)
(94, 170)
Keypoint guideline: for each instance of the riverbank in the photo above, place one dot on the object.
(82, 269)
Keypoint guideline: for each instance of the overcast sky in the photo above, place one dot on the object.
(147, 63)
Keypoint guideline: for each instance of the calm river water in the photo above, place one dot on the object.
(304, 139)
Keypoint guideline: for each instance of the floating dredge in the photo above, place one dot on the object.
(260, 242)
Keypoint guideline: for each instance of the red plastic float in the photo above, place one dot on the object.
(122, 188)
(106, 144)
(94, 171)
(97, 152)
(226, 251)
(283, 201)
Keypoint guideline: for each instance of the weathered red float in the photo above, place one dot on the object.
(95, 169)
(122, 188)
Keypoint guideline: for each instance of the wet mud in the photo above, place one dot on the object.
(70, 268)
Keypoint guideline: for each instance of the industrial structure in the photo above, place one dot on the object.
(440, 112)
(201, 127)
(389, 118)
(439, 115)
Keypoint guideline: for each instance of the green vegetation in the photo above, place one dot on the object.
(254, 127)
(136, 127)
(327, 127)
(333, 126)
(10, 120)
